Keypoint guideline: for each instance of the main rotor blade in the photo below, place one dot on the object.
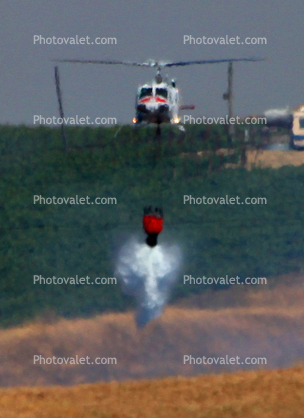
(160, 64)
(183, 63)
(134, 64)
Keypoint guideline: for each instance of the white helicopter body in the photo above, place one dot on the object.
(158, 102)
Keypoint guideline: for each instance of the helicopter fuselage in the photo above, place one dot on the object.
(157, 103)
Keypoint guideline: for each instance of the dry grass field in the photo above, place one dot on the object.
(255, 394)
(259, 158)
(274, 158)
(256, 322)
(245, 322)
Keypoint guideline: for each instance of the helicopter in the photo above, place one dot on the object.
(158, 102)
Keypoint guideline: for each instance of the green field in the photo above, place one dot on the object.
(136, 169)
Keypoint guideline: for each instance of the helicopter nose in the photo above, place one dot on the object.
(142, 108)
(163, 108)
(152, 106)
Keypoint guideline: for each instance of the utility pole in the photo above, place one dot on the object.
(229, 97)
(59, 97)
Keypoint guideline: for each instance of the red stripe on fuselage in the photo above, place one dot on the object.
(159, 99)
(145, 100)
(152, 99)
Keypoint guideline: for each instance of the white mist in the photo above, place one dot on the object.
(148, 274)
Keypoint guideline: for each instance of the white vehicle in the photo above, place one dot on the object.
(293, 120)
(297, 136)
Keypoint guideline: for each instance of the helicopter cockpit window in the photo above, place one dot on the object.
(145, 91)
(162, 92)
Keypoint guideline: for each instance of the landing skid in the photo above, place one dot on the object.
(137, 126)
(181, 128)
(118, 130)
(143, 124)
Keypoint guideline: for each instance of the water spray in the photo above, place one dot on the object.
(148, 270)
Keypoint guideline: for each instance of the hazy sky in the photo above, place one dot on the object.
(148, 29)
